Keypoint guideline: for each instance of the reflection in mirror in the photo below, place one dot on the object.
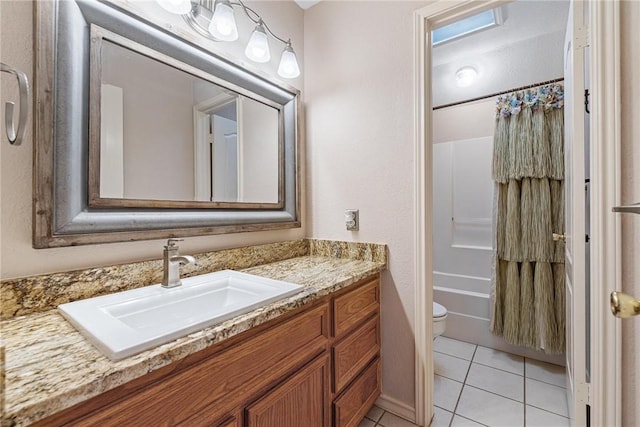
(168, 135)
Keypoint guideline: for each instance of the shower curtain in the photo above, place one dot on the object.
(528, 291)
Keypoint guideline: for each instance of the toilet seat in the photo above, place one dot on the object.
(439, 319)
(439, 310)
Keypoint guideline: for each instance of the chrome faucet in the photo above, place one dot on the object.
(172, 262)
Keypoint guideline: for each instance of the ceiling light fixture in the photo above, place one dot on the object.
(465, 76)
(216, 21)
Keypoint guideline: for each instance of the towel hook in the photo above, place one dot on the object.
(15, 137)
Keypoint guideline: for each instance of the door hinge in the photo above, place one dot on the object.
(587, 239)
(581, 39)
(583, 393)
(586, 101)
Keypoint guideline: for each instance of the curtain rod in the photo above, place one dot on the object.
(499, 93)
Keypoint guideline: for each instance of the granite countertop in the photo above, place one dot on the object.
(49, 366)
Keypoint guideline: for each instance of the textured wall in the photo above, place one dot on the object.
(359, 92)
(630, 186)
(17, 257)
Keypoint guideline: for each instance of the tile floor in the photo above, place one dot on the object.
(479, 386)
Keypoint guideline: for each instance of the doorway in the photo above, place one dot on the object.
(603, 390)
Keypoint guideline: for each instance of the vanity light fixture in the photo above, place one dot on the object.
(223, 22)
(258, 47)
(215, 20)
(465, 76)
(288, 65)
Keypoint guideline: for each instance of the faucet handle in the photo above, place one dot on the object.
(171, 243)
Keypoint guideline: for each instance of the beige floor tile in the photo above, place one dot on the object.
(546, 396)
(391, 420)
(450, 367)
(375, 413)
(452, 347)
(459, 421)
(367, 423)
(499, 360)
(441, 418)
(490, 409)
(545, 372)
(496, 381)
(446, 392)
(538, 418)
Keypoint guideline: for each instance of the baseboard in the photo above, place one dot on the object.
(396, 407)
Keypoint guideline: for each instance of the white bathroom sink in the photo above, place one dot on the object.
(126, 323)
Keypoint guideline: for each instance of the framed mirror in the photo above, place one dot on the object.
(141, 134)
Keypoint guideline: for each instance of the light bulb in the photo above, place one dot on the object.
(465, 76)
(288, 67)
(179, 7)
(258, 47)
(223, 23)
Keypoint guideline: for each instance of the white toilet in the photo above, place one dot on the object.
(439, 319)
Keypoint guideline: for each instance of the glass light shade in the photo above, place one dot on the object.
(288, 67)
(223, 23)
(179, 7)
(465, 76)
(258, 47)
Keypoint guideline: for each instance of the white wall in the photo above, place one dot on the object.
(359, 92)
(17, 257)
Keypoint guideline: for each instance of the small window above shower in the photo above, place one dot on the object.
(469, 25)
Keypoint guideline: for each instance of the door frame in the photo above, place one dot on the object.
(604, 39)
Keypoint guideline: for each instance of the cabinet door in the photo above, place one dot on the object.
(301, 400)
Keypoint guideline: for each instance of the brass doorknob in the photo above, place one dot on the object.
(623, 305)
(559, 237)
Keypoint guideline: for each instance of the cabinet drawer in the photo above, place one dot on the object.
(354, 352)
(210, 389)
(355, 306)
(302, 400)
(351, 407)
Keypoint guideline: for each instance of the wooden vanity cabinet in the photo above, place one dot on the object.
(318, 366)
(356, 368)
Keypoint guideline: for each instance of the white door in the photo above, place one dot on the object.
(578, 342)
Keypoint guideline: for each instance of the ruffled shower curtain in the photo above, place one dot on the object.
(528, 291)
